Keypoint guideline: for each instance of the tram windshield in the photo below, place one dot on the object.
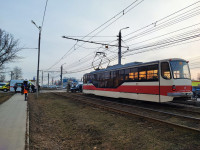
(180, 69)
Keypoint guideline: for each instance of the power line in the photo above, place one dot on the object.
(167, 23)
(165, 34)
(115, 57)
(154, 23)
(91, 36)
(165, 43)
(162, 26)
(44, 13)
(121, 12)
(93, 42)
(172, 18)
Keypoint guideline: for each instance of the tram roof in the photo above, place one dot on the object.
(115, 67)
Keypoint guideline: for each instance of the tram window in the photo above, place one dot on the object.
(95, 77)
(121, 75)
(88, 79)
(126, 74)
(106, 79)
(116, 78)
(95, 81)
(107, 75)
(165, 71)
(152, 73)
(180, 69)
(177, 74)
(133, 75)
(84, 81)
(142, 73)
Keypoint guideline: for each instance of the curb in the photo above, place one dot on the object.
(27, 129)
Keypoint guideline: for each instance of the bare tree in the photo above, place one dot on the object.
(8, 48)
(2, 77)
(17, 73)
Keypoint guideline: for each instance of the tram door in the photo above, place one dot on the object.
(165, 82)
(148, 85)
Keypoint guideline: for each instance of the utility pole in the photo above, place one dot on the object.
(38, 60)
(48, 79)
(11, 75)
(61, 76)
(120, 46)
(38, 66)
(42, 77)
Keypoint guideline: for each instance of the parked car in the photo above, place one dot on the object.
(196, 92)
(52, 86)
(2, 84)
(6, 87)
(76, 87)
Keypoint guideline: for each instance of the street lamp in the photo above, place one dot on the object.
(120, 46)
(40, 29)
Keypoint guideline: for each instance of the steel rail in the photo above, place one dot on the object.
(195, 104)
(131, 113)
(155, 110)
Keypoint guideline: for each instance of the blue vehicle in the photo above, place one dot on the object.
(196, 91)
(76, 87)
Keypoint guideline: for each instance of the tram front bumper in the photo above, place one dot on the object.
(180, 94)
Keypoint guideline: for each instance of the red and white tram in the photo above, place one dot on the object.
(158, 81)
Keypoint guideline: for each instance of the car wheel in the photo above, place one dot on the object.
(5, 90)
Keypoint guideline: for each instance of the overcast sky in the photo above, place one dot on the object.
(80, 17)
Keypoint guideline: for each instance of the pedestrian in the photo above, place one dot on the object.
(22, 89)
(26, 89)
(68, 87)
(32, 88)
(38, 88)
(15, 87)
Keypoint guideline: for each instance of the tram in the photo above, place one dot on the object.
(157, 81)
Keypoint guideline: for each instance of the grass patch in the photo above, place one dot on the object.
(5, 96)
(60, 123)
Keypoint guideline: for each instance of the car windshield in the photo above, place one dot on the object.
(2, 84)
(180, 69)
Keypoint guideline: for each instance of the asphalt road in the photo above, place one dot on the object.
(13, 123)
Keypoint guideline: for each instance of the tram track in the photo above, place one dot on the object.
(188, 103)
(172, 119)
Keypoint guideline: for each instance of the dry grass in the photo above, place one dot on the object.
(5, 96)
(58, 123)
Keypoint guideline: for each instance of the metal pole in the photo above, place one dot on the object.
(12, 75)
(38, 61)
(119, 52)
(120, 46)
(48, 79)
(42, 77)
(61, 77)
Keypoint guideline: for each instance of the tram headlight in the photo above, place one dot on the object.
(173, 88)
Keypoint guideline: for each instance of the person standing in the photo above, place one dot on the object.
(15, 87)
(68, 87)
(22, 89)
(26, 89)
(32, 88)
